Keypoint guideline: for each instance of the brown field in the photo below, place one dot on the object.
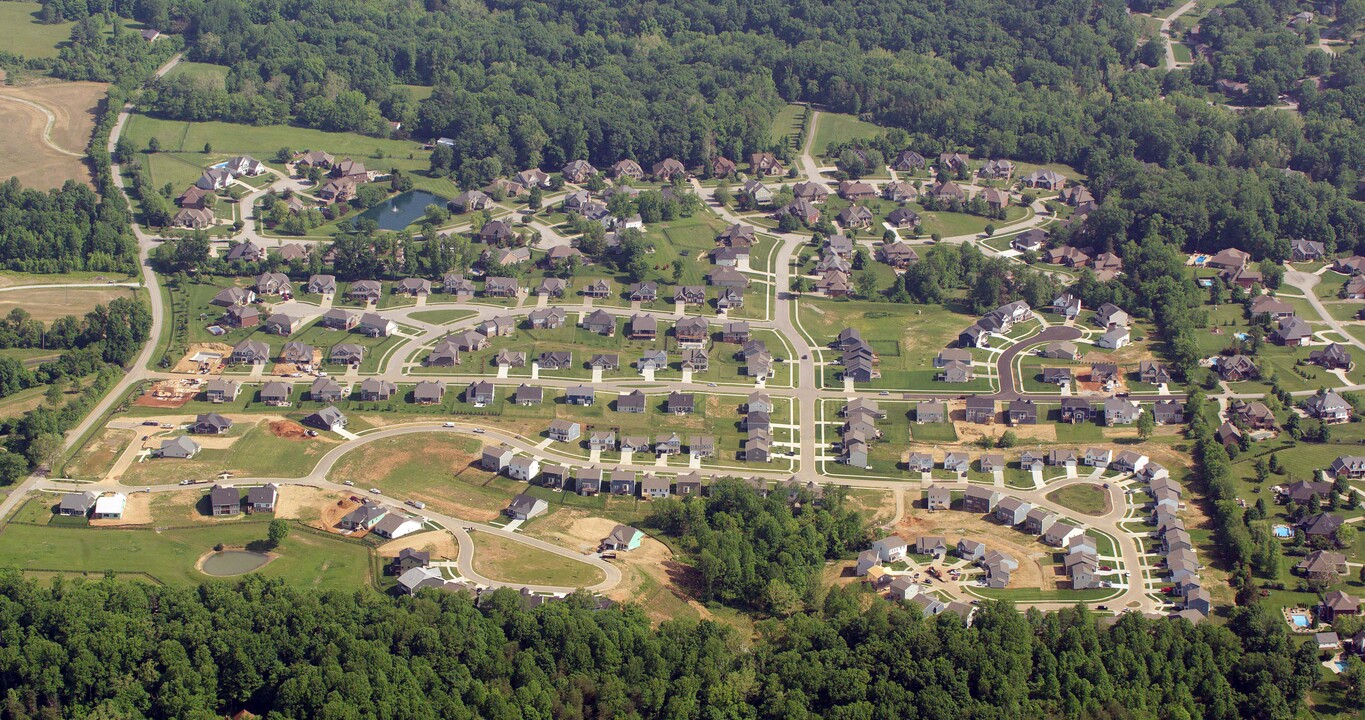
(26, 153)
(304, 503)
(98, 456)
(48, 304)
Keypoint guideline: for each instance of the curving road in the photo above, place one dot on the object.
(1005, 363)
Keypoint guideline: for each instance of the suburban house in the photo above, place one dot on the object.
(480, 392)
(1332, 357)
(210, 424)
(980, 410)
(1328, 407)
(182, 448)
(525, 507)
(220, 391)
(328, 418)
(564, 430)
(263, 498)
(979, 499)
(580, 395)
(224, 501)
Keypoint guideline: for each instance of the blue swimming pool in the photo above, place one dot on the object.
(1299, 620)
(1283, 531)
(1340, 665)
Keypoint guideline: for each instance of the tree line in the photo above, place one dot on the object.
(107, 648)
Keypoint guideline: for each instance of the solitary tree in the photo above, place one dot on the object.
(279, 530)
(1145, 425)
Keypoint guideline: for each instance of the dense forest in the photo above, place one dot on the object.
(129, 650)
(63, 230)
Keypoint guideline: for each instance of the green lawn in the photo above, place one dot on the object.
(28, 37)
(1181, 51)
(180, 169)
(906, 337)
(1084, 499)
(787, 123)
(262, 141)
(1036, 595)
(306, 559)
(942, 432)
(258, 453)
(418, 92)
(210, 74)
(499, 558)
(834, 127)
(441, 317)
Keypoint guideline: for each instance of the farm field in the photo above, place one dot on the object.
(13, 279)
(305, 559)
(46, 158)
(506, 560)
(48, 304)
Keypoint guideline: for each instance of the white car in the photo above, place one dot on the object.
(449, 424)
(348, 482)
(376, 491)
(478, 431)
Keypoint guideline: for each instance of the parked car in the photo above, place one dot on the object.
(449, 424)
(376, 491)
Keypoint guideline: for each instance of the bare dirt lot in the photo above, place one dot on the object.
(170, 394)
(288, 429)
(967, 433)
(137, 511)
(188, 365)
(48, 304)
(332, 513)
(953, 526)
(304, 503)
(439, 543)
(43, 158)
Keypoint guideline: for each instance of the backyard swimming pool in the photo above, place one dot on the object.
(1283, 531)
(1299, 620)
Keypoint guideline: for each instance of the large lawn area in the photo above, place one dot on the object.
(207, 73)
(48, 304)
(257, 453)
(834, 127)
(1084, 499)
(305, 559)
(28, 37)
(498, 558)
(262, 141)
(907, 338)
(788, 123)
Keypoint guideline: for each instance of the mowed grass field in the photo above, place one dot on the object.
(48, 304)
(260, 142)
(257, 453)
(305, 559)
(787, 123)
(833, 127)
(498, 558)
(208, 73)
(46, 158)
(26, 36)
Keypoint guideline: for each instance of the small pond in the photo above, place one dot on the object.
(233, 562)
(403, 210)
